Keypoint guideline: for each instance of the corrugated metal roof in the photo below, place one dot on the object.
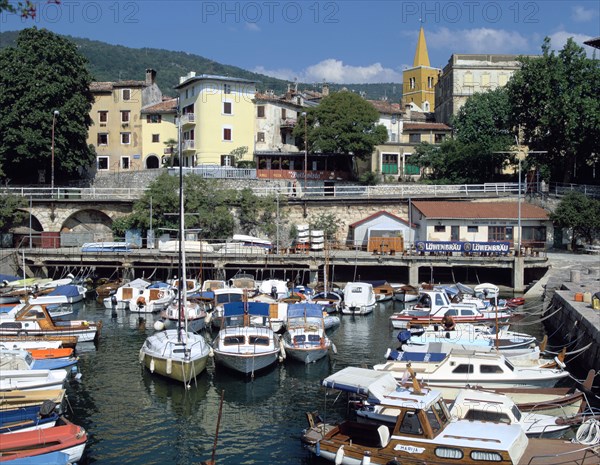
(375, 215)
(482, 210)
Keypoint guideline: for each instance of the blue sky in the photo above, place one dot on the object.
(313, 41)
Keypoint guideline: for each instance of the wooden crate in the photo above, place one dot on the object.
(386, 244)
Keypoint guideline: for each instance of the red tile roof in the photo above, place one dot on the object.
(166, 106)
(107, 86)
(480, 210)
(383, 106)
(375, 215)
(426, 127)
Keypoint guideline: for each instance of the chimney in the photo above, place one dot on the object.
(150, 76)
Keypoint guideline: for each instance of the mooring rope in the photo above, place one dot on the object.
(527, 323)
(578, 351)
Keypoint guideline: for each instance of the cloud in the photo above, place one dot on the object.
(559, 39)
(479, 40)
(335, 71)
(581, 14)
(253, 27)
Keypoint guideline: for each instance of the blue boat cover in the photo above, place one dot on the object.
(158, 285)
(51, 458)
(25, 417)
(53, 363)
(68, 290)
(254, 308)
(8, 278)
(202, 295)
(303, 309)
(416, 356)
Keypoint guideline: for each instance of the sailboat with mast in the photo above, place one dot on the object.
(179, 353)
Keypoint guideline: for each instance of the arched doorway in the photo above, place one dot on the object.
(152, 162)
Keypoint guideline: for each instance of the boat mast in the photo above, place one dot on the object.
(181, 288)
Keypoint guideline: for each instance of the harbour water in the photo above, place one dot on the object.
(136, 418)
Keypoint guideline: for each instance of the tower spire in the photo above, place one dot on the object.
(421, 55)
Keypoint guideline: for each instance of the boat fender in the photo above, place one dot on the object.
(152, 366)
(333, 348)
(159, 325)
(141, 358)
(366, 460)
(318, 449)
(211, 352)
(282, 353)
(169, 366)
(339, 455)
(208, 318)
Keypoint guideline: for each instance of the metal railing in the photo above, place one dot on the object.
(282, 188)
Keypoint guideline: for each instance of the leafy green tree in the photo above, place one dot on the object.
(208, 206)
(42, 74)
(329, 223)
(556, 106)
(579, 213)
(343, 123)
(171, 144)
(9, 211)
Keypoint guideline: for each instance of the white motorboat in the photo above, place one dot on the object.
(246, 343)
(26, 380)
(120, 299)
(359, 299)
(35, 320)
(473, 404)
(331, 301)
(275, 288)
(487, 290)
(434, 304)
(489, 370)
(404, 292)
(66, 294)
(305, 339)
(224, 296)
(195, 314)
(152, 299)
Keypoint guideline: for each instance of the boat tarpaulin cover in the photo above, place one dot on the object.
(301, 310)
(371, 383)
(254, 308)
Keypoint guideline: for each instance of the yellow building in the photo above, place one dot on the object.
(218, 116)
(159, 125)
(116, 131)
(418, 86)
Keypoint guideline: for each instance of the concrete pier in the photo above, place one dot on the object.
(576, 323)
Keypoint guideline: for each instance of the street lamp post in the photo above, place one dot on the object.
(54, 115)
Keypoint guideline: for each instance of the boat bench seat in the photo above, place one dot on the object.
(365, 434)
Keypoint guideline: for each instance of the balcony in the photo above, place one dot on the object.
(188, 118)
(188, 145)
(287, 123)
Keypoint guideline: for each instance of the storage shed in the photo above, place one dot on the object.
(381, 232)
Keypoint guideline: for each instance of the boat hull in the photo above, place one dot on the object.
(246, 363)
(178, 370)
(306, 355)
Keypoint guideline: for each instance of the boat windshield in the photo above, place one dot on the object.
(226, 298)
(411, 423)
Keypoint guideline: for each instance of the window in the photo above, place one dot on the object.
(283, 113)
(389, 163)
(232, 340)
(463, 368)
(227, 134)
(485, 80)
(412, 82)
(259, 340)
(472, 229)
(439, 228)
(502, 80)
(103, 116)
(500, 233)
(439, 138)
(260, 111)
(227, 108)
(226, 160)
(153, 118)
(488, 369)
(449, 453)
(468, 79)
(411, 423)
(125, 138)
(155, 137)
(227, 88)
(126, 94)
(260, 137)
(125, 116)
(102, 163)
(187, 93)
(125, 163)
(414, 138)
(488, 456)
(430, 82)
(102, 138)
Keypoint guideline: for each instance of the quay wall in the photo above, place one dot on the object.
(576, 324)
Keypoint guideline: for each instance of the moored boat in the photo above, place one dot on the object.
(305, 339)
(359, 299)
